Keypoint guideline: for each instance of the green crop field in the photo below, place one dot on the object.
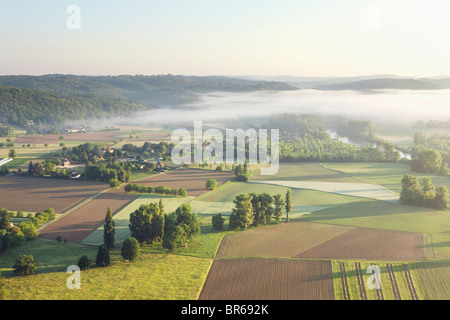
(152, 276)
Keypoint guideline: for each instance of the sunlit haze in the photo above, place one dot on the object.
(199, 37)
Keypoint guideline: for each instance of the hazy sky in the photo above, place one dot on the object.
(209, 37)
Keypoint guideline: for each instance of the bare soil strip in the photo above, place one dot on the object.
(193, 180)
(411, 288)
(266, 279)
(359, 277)
(344, 283)
(362, 243)
(78, 224)
(393, 281)
(33, 194)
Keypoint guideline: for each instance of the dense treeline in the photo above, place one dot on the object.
(328, 149)
(305, 138)
(431, 154)
(163, 190)
(6, 131)
(357, 130)
(423, 194)
(252, 210)
(14, 236)
(149, 223)
(431, 124)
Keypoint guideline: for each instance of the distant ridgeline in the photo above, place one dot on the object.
(51, 99)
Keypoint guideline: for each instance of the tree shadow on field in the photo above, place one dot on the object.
(360, 209)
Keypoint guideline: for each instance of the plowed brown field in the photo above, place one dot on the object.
(32, 194)
(78, 224)
(373, 244)
(262, 279)
(193, 180)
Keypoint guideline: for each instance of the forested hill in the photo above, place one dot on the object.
(152, 90)
(54, 98)
(18, 106)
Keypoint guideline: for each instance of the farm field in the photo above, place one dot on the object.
(193, 180)
(363, 190)
(153, 276)
(393, 283)
(33, 194)
(78, 224)
(387, 175)
(263, 279)
(301, 171)
(303, 240)
(107, 136)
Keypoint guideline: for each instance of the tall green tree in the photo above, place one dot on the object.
(242, 214)
(140, 222)
(410, 188)
(440, 200)
(5, 219)
(288, 205)
(109, 230)
(279, 204)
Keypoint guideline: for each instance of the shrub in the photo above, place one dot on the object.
(102, 259)
(211, 184)
(84, 263)
(217, 221)
(29, 230)
(130, 250)
(25, 265)
(114, 183)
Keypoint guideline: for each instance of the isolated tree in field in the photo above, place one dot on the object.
(130, 249)
(25, 265)
(211, 184)
(102, 259)
(12, 153)
(217, 221)
(109, 230)
(279, 205)
(288, 205)
(242, 215)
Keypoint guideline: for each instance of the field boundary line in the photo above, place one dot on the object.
(73, 209)
(394, 285)
(344, 283)
(409, 281)
(359, 277)
(359, 179)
